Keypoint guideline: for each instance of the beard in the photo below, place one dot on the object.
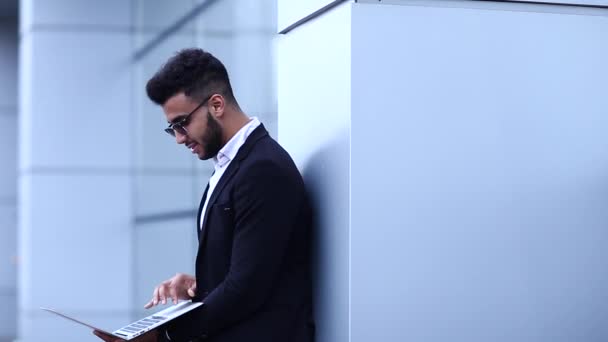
(212, 138)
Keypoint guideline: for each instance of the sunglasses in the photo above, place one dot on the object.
(180, 126)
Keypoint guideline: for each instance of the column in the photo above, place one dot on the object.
(478, 162)
(314, 92)
(75, 167)
(456, 152)
(8, 176)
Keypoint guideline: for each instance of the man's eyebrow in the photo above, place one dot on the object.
(177, 118)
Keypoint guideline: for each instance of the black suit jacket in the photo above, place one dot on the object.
(253, 264)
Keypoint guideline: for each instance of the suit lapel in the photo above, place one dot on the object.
(256, 135)
(200, 209)
(230, 171)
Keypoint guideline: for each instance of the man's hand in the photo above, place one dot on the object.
(181, 286)
(150, 336)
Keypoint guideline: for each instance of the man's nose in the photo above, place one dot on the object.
(180, 138)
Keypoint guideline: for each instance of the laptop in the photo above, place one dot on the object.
(143, 325)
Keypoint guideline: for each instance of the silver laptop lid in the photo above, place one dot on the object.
(141, 326)
(153, 321)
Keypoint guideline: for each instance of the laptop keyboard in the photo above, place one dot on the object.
(143, 324)
(148, 323)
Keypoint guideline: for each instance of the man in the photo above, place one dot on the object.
(254, 223)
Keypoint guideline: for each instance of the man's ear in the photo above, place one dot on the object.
(218, 105)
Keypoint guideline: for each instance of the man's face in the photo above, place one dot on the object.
(202, 132)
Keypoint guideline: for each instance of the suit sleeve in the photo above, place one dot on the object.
(266, 203)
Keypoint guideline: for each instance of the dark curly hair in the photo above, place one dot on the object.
(193, 71)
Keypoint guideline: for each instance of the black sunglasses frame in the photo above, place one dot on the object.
(180, 126)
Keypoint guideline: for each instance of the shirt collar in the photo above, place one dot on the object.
(229, 151)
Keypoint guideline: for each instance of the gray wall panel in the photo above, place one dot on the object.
(314, 126)
(479, 175)
(8, 174)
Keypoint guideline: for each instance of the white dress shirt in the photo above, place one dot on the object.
(224, 157)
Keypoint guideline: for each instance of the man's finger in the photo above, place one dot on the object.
(173, 293)
(192, 290)
(154, 300)
(162, 294)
